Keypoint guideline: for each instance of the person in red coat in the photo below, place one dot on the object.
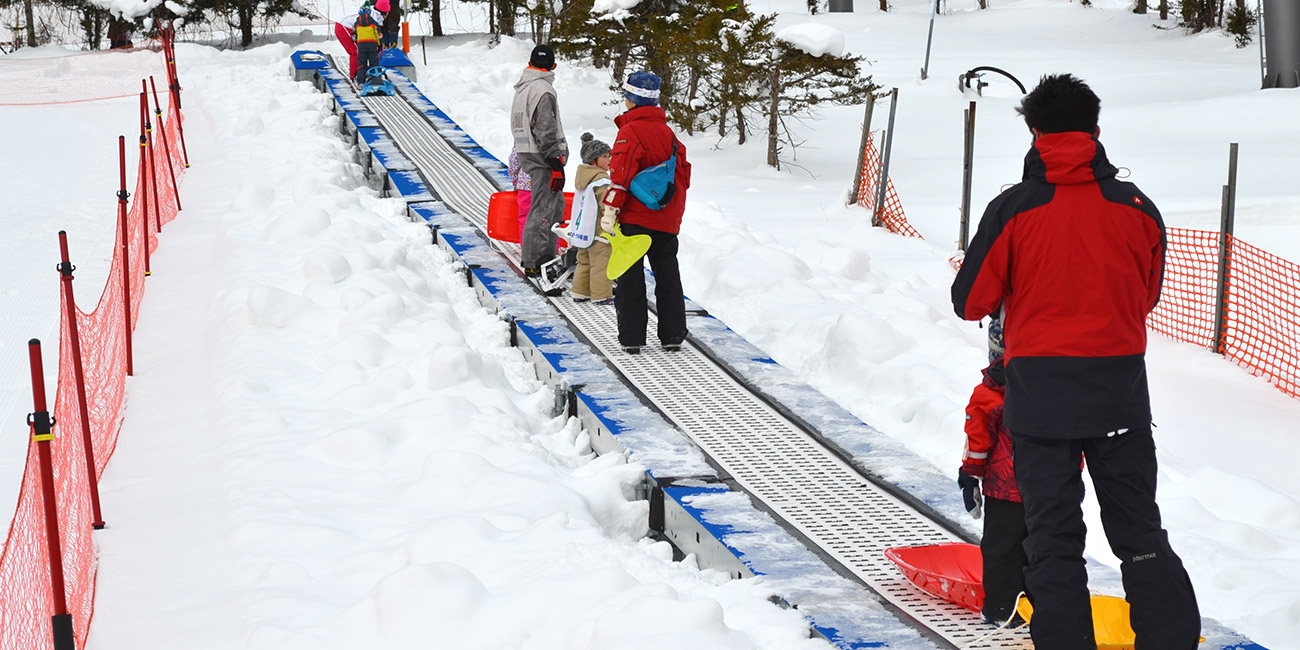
(987, 460)
(1075, 258)
(645, 140)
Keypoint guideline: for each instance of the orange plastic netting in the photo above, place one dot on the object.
(1262, 311)
(78, 77)
(1261, 306)
(891, 214)
(26, 593)
(1187, 297)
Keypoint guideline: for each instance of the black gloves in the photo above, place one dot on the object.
(557, 173)
(970, 494)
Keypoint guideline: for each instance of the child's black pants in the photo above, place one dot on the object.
(1004, 557)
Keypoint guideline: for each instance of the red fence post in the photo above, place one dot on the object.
(174, 85)
(65, 273)
(167, 147)
(42, 428)
(122, 196)
(174, 82)
(144, 193)
(153, 166)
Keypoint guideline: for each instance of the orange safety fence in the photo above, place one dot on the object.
(1187, 297)
(891, 214)
(1261, 307)
(27, 596)
(80, 77)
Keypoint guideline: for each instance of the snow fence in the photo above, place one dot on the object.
(94, 360)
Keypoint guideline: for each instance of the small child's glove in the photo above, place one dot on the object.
(970, 494)
(607, 218)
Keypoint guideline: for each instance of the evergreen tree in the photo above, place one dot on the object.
(798, 82)
(434, 7)
(1239, 22)
(242, 16)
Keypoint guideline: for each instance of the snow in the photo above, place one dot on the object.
(813, 38)
(330, 444)
(615, 7)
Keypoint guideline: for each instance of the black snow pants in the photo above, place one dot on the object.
(1003, 549)
(630, 298)
(1164, 613)
(367, 57)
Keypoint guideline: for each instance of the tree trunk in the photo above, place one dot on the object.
(884, 5)
(435, 17)
(742, 130)
(773, 123)
(31, 23)
(812, 6)
(245, 14)
(1164, 9)
(506, 18)
(722, 122)
(1141, 7)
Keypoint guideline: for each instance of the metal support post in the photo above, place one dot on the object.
(925, 70)
(968, 161)
(1227, 218)
(862, 151)
(884, 159)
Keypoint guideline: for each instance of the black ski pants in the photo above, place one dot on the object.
(1003, 550)
(629, 293)
(1163, 612)
(367, 57)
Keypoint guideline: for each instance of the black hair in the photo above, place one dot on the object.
(1061, 102)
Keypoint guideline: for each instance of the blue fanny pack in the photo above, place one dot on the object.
(654, 185)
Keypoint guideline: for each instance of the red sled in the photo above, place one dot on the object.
(503, 216)
(951, 572)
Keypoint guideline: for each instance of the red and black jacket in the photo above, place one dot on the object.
(644, 140)
(988, 443)
(1077, 258)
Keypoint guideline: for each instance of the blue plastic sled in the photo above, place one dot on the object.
(378, 83)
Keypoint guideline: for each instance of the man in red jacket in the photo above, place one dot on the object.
(644, 140)
(1076, 258)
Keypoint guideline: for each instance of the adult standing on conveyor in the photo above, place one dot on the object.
(539, 142)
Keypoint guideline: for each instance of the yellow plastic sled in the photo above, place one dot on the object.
(1109, 621)
(626, 251)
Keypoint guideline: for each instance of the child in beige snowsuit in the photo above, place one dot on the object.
(589, 281)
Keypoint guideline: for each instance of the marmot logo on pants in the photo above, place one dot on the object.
(1148, 556)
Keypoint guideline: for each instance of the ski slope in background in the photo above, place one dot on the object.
(323, 426)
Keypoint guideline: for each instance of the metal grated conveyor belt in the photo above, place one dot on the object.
(852, 519)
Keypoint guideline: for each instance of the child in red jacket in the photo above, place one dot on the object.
(988, 457)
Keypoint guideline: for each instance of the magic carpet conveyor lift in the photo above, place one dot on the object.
(790, 485)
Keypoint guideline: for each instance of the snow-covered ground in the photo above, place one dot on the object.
(329, 444)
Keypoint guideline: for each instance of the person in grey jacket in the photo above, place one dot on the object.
(539, 141)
